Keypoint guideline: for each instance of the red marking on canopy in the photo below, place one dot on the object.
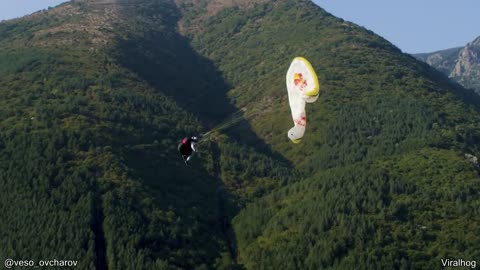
(298, 80)
(302, 121)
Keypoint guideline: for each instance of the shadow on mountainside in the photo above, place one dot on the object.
(149, 46)
(165, 59)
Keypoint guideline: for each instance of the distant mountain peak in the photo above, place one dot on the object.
(475, 42)
(467, 67)
(461, 64)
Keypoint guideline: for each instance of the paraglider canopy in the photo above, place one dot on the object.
(303, 87)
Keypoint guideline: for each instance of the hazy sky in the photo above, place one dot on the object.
(10, 9)
(412, 25)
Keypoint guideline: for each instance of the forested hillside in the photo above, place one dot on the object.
(386, 148)
(95, 99)
(97, 94)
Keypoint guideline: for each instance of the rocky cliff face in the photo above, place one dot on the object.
(443, 60)
(461, 64)
(467, 67)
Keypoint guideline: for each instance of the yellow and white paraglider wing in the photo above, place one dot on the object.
(303, 87)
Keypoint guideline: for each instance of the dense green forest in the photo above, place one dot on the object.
(389, 186)
(96, 96)
(88, 143)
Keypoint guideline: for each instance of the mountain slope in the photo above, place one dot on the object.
(355, 67)
(461, 64)
(385, 133)
(467, 68)
(443, 60)
(96, 95)
(89, 134)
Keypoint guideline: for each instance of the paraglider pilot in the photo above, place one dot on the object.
(186, 147)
